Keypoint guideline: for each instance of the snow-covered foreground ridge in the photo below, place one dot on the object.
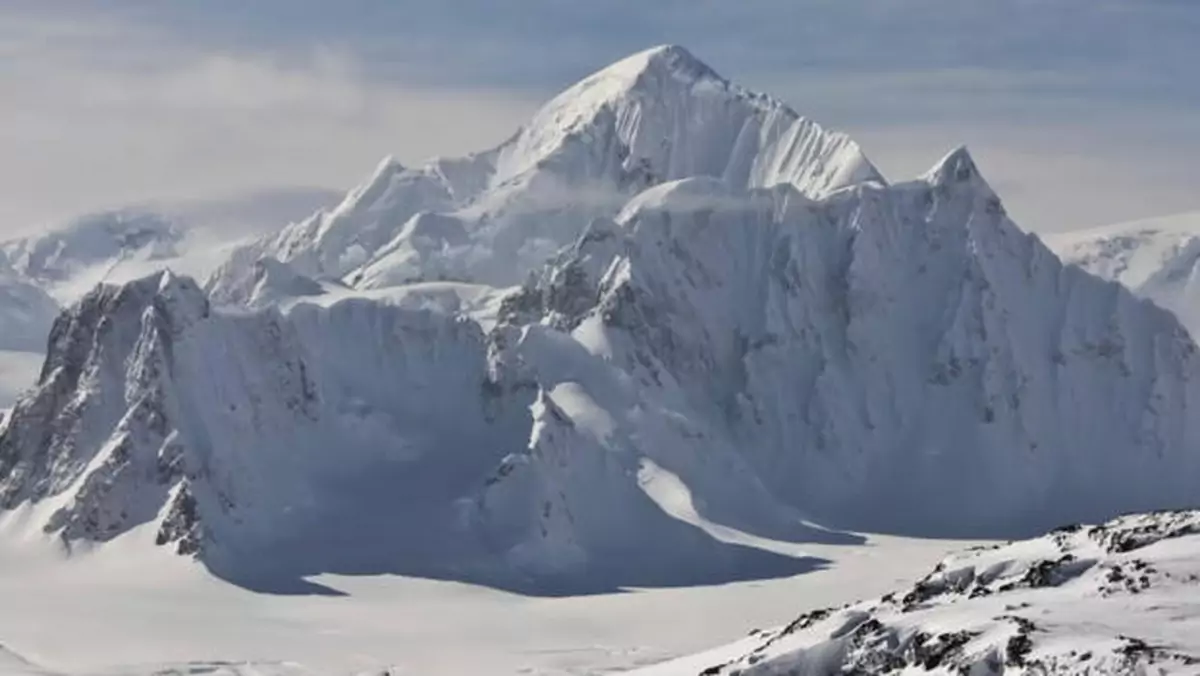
(1118, 598)
(750, 327)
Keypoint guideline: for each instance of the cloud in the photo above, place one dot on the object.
(1079, 111)
(76, 134)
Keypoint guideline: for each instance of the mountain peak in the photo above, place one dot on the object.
(654, 117)
(671, 116)
(380, 178)
(673, 60)
(956, 167)
(661, 73)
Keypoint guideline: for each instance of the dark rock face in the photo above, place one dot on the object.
(182, 524)
(47, 445)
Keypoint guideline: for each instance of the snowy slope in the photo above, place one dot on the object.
(492, 217)
(1158, 258)
(832, 348)
(763, 333)
(1119, 598)
(220, 428)
(709, 359)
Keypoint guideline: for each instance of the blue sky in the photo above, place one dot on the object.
(1081, 112)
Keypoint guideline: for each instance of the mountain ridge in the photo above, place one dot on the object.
(1098, 599)
(581, 156)
(743, 328)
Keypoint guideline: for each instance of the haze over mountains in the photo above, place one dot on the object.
(666, 310)
(43, 271)
(1156, 257)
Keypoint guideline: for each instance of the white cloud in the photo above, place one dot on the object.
(76, 134)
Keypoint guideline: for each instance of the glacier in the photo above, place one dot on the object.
(665, 307)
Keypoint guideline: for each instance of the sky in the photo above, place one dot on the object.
(1079, 112)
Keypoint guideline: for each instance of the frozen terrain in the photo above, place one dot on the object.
(709, 359)
(1157, 258)
(1118, 598)
(781, 337)
(654, 117)
(70, 258)
(57, 265)
(649, 342)
(187, 622)
(26, 313)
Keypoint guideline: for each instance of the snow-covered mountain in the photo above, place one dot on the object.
(59, 264)
(748, 328)
(654, 117)
(26, 312)
(105, 238)
(121, 245)
(1158, 258)
(851, 349)
(34, 268)
(1117, 598)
